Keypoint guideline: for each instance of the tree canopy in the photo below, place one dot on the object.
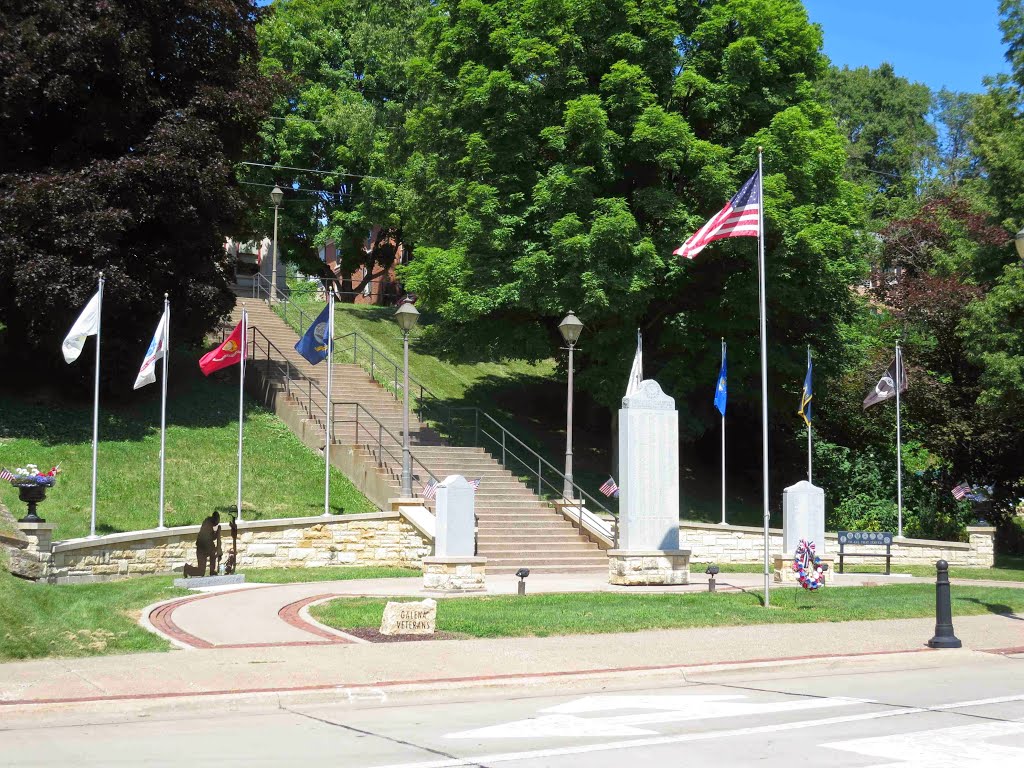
(121, 121)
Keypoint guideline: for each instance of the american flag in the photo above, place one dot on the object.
(430, 489)
(475, 484)
(961, 491)
(610, 488)
(5, 475)
(739, 218)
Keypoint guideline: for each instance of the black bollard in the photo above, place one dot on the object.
(944, 637)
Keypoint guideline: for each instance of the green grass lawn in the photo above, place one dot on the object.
(38, 620)
(1007, 568)
(592, 613)
(281, 477)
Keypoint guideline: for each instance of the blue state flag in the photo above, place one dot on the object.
(722, 390)
(808, 393)
(313, 344)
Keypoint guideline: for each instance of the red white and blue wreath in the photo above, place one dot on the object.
(809, 570)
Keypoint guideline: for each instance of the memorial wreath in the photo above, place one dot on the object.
(809, 570)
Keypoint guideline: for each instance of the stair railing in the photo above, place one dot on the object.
(305, 392)
(488, 433)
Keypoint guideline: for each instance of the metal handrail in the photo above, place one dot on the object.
(310, 404)
(424, 404)
(377, 357)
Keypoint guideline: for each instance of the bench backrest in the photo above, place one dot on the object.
(847, 538)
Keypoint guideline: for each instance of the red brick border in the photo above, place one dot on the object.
(161, 619)
(290, 615)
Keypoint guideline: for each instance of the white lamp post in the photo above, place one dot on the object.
(570, 328)
(407, 316)
(1018, 243)
(276, 195)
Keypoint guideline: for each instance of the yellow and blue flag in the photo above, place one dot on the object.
(313, 344)
(808, 394)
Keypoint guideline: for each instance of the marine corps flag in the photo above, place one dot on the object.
(885, 389)
(228, 353)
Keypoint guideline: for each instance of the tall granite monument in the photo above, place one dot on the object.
(648, 547)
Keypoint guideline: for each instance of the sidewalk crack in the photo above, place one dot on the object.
(394, 740)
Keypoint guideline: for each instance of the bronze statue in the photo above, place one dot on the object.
(207, 547)
(229, 563)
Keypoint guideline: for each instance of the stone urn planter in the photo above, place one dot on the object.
(31, 494)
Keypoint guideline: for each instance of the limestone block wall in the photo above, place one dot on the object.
(379, 538)
(714, 543)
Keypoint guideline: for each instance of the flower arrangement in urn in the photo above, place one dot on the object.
(31, 485)
(30, 475)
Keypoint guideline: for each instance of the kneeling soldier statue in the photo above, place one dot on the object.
(207, 547)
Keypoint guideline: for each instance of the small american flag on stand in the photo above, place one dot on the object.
(740, 218)
(430, 489)
(475, 484)
(5, 475)
(961, 491)
(610, 489)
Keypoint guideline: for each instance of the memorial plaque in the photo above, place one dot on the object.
(455, 534)
(803, 517)
(648, 471)
(413, 618)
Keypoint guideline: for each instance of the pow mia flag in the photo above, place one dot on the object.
(885, 389)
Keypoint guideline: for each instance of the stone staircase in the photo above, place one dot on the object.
(516, 527)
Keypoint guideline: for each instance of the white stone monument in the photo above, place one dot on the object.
(648, 547)
(803, 517)
(454, 566)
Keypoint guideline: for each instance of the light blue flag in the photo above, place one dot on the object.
(722, 390)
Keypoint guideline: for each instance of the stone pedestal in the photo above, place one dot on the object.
(648, 471)
(784, 573)
(803, 517)
(648, 568)
(454, 574)
(33, 562)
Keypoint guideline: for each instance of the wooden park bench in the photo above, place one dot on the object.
(865, 538)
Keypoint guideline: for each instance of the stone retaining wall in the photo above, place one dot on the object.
(379, 538)
(714, 543)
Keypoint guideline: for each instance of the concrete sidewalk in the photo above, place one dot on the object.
(276, 614)
(357, 669)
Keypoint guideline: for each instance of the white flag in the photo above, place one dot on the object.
(157, 349)
(87, 324)
(636, 373)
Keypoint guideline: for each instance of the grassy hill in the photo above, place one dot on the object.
(280, 478)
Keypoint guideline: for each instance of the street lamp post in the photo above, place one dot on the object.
(407, 316)
(1018, 243)
(276, 195)
(570, 328)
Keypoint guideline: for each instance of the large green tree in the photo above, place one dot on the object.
(340, 115)
(885, 120)
(120, 120)
(562, 151)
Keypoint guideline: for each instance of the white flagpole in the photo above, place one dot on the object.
(241, 406)
(809, 451)
(329, 404)
(163, 406)
(899, 444)
(96, 408)
(723, 448)
(764, 369)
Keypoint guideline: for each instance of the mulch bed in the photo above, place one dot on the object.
(374, 636)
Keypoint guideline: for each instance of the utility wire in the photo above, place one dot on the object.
(313, 170)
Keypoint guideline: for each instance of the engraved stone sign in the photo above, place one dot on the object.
(456, 518)
(648, 470)
(803, 517)
(413, 618)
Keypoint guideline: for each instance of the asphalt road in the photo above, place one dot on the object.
(898, 711)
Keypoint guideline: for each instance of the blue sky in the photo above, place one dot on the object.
(951, 43)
